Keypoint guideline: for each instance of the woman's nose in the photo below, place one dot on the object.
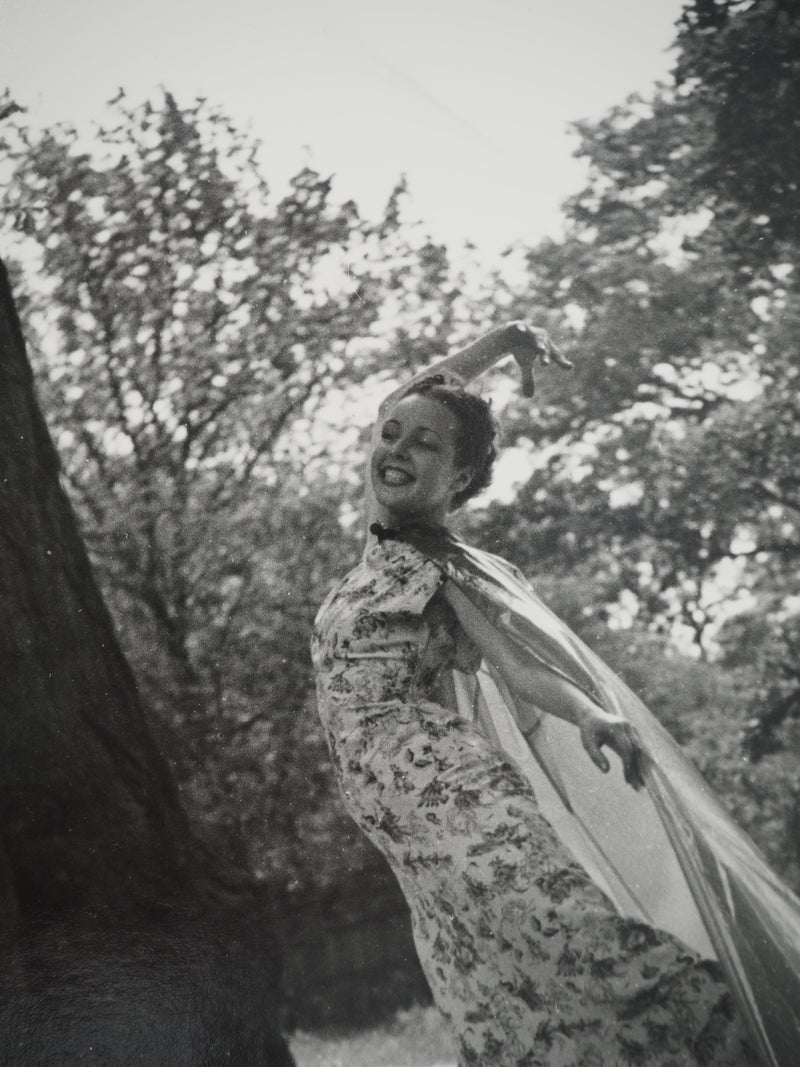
(399, 447)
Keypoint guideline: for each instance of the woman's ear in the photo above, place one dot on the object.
(462, 479)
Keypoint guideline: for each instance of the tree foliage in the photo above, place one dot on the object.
(664, 480)
(740, 61)
(195, 332)
(205, 344)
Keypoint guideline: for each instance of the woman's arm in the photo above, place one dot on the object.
(533, 684)
(525, 342)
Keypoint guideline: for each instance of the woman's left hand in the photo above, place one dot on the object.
(620, 736)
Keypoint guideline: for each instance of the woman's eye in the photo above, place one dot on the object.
(429, 444)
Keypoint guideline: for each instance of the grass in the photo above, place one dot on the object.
(414, 1038)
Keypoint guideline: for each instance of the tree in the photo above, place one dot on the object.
(101, 872)
(686, 398)
(740, 62)
(200, 343)
(78, 761)
(664, 474)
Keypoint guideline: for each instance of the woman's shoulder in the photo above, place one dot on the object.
(404, 578)
(392, 582)
(392, 577)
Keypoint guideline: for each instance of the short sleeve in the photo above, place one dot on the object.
(410, 580)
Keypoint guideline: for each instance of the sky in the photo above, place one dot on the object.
(470, 99)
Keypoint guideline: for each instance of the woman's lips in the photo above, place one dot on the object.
(395, 476)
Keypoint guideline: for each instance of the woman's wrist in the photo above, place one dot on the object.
(470, 362)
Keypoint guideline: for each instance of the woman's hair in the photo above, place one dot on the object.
(477, 429)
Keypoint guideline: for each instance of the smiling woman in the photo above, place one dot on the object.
(553, 909)
(424, 462)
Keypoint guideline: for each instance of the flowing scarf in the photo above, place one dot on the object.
(668, 854)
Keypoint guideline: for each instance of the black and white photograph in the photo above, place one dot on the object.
(400, 533)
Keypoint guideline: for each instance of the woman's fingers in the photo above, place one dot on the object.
(559, 357)
(529, 343)
(621, 737)
(632, 766)
(528, 385)
(593, 736)
(630, 752)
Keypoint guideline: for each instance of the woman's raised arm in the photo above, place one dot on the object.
(522, 340)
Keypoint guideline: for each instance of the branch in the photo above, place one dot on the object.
(115, 387)
(278, 426)
(785, 548)
(772, 492)
(195, 429)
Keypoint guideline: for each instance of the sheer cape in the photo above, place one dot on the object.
(669, 854)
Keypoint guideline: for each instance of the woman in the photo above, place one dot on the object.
(524, 952)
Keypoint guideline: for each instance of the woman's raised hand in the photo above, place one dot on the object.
(527, 343)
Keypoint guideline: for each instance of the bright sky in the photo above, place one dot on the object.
(470, 98)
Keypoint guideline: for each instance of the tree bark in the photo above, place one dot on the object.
(88, 803)
(113, 949)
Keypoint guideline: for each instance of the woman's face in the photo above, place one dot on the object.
(413, 467)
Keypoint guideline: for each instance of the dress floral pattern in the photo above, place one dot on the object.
(523, 953)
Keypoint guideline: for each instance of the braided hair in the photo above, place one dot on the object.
(477, 429)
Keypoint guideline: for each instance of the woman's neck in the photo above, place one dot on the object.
(399, 520)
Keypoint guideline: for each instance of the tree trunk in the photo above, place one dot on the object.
(88, 803)
(111, 941)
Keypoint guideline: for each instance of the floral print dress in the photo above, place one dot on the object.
(523, 953)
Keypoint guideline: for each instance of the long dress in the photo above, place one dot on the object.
(524, 953)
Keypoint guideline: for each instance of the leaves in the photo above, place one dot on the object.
(663, 493)
(191, 326)
(204, 344)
